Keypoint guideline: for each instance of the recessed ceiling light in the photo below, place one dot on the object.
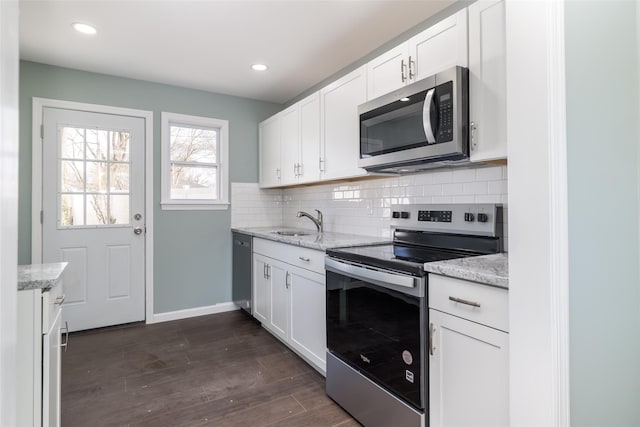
(259, 67)
(84, 28)
(404, 99)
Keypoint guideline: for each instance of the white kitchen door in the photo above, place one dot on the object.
(93, 214)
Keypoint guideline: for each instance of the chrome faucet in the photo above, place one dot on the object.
(317, 222)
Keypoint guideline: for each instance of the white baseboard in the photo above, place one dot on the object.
(193, 312)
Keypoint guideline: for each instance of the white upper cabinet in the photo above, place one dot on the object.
(269, 151)
(487, 81)
(340, 125)
(439, 47)
(388, 72)
(309, 159)
(289, 144)
(435, 49)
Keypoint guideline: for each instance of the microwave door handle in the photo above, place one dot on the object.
(426, 116)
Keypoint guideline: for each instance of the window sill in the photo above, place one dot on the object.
(195, 206)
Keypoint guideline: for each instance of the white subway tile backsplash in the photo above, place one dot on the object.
(442, 177)
(479, 187)
(491, 173)
(464, 175)
(497, 187)
(364, 207)
(452, 189)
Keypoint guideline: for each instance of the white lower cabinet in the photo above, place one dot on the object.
(468, 361)
(39, 350)
(289, 297)
(308, 315)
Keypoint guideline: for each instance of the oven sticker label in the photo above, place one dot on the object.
(409, 376)
(407, 357)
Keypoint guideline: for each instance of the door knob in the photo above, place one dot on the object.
(137, 230)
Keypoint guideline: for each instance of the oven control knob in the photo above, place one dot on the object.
(483, 217)
(395, 214)
(404, 215)
(468, 217)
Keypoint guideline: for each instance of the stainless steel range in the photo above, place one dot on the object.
(377, 312)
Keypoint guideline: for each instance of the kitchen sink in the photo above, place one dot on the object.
(293, 233)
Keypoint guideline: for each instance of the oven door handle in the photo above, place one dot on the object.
(368, 273)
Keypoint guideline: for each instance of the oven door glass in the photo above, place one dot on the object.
(378, 332)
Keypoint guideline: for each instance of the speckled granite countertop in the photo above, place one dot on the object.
(40, 276)
(320, 242)
(487, 269)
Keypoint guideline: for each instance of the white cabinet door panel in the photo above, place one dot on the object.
(340, 125)
(309, 170)
(269, 148)
(487, 80)
(468, 373)
(308, 316)
(261, 289)
(388, 72)
(279, 314)
(289, 144)
(441, 46)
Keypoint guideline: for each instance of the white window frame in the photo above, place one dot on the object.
(166, 203)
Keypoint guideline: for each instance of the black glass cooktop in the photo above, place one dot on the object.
(396, 257)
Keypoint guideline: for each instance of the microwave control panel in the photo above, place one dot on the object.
(444, 102)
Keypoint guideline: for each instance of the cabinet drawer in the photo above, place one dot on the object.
(483, 304)
(51, 305)
(306, 258)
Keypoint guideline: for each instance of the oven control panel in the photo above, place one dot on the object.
(480, 219)
(435, 216)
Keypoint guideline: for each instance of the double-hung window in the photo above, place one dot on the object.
(195, 162)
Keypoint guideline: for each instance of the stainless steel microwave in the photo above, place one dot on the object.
(420, 126)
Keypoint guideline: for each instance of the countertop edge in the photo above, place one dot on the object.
(320, 242)
(489, 270)
(40, 276)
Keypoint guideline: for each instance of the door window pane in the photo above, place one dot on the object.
(93, 164)
(119, 178)
(97, 177)
(72, 209)
(97, 210)
(119, 146)
(71, 142)
(119, 209)
(97, 148)
(72, 176)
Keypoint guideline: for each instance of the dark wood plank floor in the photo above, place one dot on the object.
(222, 370)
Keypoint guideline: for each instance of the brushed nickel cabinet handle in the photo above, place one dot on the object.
(464, 301)
(59, 300)
(65, 344)
(403, 77)
(432, 331)
(474, 135)
(412, 72)
(305, 259)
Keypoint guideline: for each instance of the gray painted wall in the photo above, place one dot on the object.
(192, 249)
(603, 141)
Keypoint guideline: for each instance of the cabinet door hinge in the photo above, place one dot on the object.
(41, 217)
(41, 131)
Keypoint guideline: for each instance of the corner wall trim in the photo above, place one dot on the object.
(192, 312)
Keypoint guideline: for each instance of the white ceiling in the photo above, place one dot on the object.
(211, 44)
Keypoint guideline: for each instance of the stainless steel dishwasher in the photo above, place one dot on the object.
(242, 271)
